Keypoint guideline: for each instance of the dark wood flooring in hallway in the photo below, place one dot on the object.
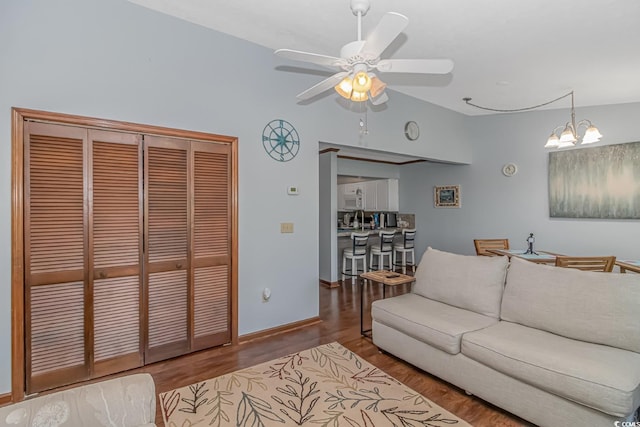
(339, 311)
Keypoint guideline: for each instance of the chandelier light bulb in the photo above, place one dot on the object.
(591, 135)
(567, 135)
(553, 141)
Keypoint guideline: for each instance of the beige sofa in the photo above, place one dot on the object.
(555, 346)
(128, 401)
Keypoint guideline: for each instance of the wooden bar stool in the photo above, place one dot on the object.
(384, 249)
(357, 252)
(405, 248)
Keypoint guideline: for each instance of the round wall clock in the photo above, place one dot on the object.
(411, 131)
(509, 169)
(280, 140)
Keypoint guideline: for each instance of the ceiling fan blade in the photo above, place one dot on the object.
(389, 27)
(314, 58)
(380, 99)
(420, 66)
(326, 84)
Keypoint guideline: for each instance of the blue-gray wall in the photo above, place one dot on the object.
(115, 60)
(495, 206)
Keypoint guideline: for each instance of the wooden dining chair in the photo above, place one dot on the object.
(483, 244)
(589, 263)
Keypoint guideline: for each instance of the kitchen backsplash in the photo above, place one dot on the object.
(404, 220)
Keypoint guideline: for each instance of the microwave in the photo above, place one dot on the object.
(353, 201)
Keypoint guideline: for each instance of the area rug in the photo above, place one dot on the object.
(324, 386)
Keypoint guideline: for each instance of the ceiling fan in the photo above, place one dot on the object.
(359, 59)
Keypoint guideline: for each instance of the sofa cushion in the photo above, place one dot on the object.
(471, 282)
(602, 308)
(598, 376)
(437, 324)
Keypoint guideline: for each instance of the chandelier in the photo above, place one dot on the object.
(569, 136)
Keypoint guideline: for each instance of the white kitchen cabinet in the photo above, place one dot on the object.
(381, 195)
(370, 195)
(387, 195)
(393, 195)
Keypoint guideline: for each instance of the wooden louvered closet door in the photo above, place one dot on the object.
(82, 254)
(55, 256)
(115, 235)
(211, 236)
(127, 250)
(188, 217)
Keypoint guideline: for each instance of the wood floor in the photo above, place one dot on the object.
(339, 311)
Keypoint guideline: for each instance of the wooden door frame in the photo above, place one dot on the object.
(19, 116)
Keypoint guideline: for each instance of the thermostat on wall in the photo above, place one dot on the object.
(292, 190)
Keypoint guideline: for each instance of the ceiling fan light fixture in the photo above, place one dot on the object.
(345, 87)
(361, 82)
(358, 96)
(377, 86)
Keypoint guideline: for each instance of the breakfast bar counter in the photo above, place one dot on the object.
(346, 232)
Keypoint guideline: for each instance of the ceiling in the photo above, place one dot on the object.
(508, 54)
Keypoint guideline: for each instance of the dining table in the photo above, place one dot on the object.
(539, 257)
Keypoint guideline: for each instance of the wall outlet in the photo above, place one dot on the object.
(286, 227)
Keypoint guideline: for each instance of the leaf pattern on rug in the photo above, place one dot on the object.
(217, 413)
(374, 376)
(417, 398)
(253, 411)
(366, 420)
(335, 359)
(193, 403)
(325, 386)
(352, 399)
(332, 420)
(236, 379)
(169, 402)
(416, 418)
(279, 368)
(301, 394)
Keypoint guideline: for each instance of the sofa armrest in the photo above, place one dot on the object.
(128, 401)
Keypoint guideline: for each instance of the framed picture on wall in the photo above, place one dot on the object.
(595, 182)
(447, 196)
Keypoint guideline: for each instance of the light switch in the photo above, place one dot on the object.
(286, 227)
